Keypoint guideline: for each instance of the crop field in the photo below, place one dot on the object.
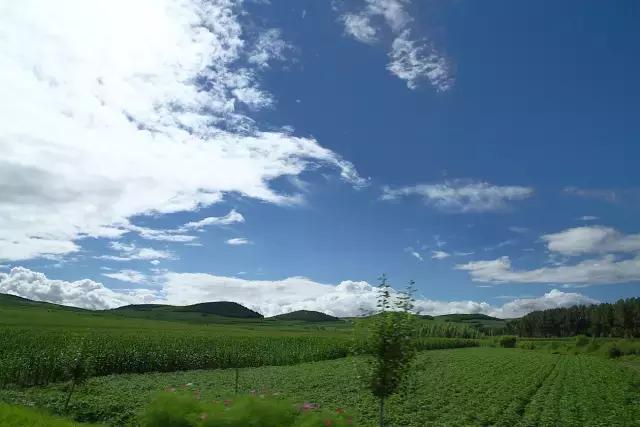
(31, 357)
(461, 387)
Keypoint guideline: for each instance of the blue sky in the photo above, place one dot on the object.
(486, 150)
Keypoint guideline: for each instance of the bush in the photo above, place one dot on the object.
(185, 410)
(508, 341)
(581, 341)
(614, 352)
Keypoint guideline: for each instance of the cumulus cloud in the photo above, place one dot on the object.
(131, 276)
(552, 299)
(269, 297)
(81, 293)
(129, 109)
(591, 239)
(461, 195)
(605, 270)
(130, 252)
(412, 60)
(238, 241)
(349, 298)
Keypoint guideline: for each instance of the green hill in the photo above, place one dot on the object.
(306, 316)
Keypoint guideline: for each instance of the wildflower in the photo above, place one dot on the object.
(339, 410)
(327, 422)
(227, 402)
(204, 416)
(308, 406)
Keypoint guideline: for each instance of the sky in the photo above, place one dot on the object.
(286, 154)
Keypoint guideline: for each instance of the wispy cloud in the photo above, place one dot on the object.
(605, 270)
(414, 60)
(461, 195)
(131, 276)
(238, 241)
(130, 252)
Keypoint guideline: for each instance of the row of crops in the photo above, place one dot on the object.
(463, 387)
(31, 357)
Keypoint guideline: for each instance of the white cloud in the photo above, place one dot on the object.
(461, 195)
(237, 241)
(591, 239)
(132, 252)
(360, 27)
(81, 293)
(412, 60)
(104, 119)
(552, 299)
(232, 217)
(349, 298)
(131, 276)
(269, 47)
(416, 255)
(155, 262)
(605, 270)
(440, 254)
(588, 218)
(269, 297)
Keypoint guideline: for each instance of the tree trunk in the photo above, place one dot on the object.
(382, 412)
(73, 386)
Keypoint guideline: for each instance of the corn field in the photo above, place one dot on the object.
(30, 357)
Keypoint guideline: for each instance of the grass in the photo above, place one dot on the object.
(18, 416)
(465, 387)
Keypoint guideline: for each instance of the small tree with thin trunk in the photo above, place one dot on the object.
(391, 340)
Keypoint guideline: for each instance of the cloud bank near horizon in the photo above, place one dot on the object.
(269, 297)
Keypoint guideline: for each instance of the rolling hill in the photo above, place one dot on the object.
(306, 316)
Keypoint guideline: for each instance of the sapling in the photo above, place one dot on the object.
(78, 370)
(391, 341)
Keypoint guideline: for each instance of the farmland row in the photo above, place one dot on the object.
(29, 357)
(462, 387)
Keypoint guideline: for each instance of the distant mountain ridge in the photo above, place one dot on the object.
(306, 316)
(216, 308)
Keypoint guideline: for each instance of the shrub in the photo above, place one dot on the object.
(581, 341)
(185, 410)
(614, 352)
(508, 341)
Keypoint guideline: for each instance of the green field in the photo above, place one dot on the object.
(474, 387)
(130, 355)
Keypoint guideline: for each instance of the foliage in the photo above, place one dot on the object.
(17, 416)
(31, 357)
(508, 341)
(614, 352)
(391, 338)
(620, 319)
(479, 386)
(582, 340)
(178, 410)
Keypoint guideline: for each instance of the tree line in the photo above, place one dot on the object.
(619, 319)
